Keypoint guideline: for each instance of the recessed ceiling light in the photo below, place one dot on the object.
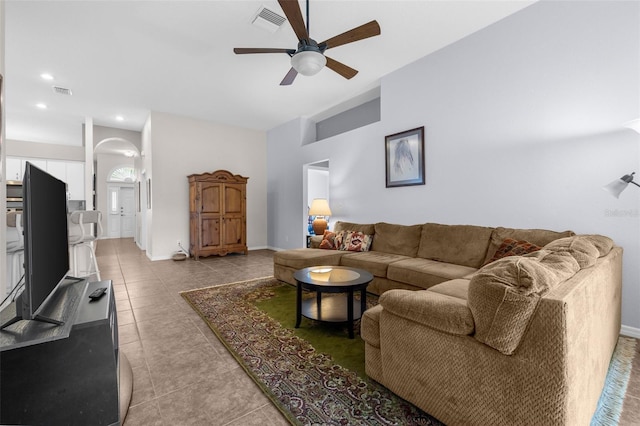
(41, 105)
(46, 76)
(119, 118)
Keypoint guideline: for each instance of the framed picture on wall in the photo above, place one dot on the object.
(404, 158)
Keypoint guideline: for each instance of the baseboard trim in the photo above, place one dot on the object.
(625, 330)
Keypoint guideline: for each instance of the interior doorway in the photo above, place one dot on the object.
(316, 180)
(121, 219)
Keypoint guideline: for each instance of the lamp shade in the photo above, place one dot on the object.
(308, 62)
(319, 207)
(617, 186)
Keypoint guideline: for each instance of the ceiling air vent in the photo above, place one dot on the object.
(268, 20)
(62, 90)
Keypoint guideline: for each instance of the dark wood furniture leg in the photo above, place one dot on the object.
(350, 312)
(298, 304)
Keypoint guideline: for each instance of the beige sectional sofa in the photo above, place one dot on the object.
(520, 340)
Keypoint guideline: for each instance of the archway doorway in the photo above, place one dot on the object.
(316, 185)
(121, 206)
(116, 187)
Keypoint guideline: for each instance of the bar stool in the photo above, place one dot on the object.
(15, 249)
(80, 236)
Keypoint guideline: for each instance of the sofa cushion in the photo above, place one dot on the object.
(304, 257)
(374, 262)
(585, 249)
(397, 239)
(459, 244)
(455, 288)
(439, 311)
(602, 243)
(504, 294)
(424, 272)
(511, 247)
(539, 237)
(354, 241)
(366, 228)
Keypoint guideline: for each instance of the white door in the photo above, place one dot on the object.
(121, 220)
(113, 220)
(127, 213)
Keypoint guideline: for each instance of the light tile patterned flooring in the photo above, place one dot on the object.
(182, 375)
(181, 372)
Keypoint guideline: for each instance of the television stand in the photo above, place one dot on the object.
(60, 309)
(67, 374)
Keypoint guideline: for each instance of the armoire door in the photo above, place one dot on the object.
(210, 212)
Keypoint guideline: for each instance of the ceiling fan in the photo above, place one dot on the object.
(308, 59)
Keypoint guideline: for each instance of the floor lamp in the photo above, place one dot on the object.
(619, 185)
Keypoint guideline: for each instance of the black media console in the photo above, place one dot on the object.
(68, 374)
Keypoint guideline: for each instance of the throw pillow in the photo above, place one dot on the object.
(329, 241)
(355, 241)
(511, 247)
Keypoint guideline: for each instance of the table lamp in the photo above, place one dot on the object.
(320, 209)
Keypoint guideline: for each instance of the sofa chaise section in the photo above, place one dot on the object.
(451, 351)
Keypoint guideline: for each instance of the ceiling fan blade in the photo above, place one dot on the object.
(242, 50)
(367, 30)
(292, 11)
(340, 68)
(288, 79)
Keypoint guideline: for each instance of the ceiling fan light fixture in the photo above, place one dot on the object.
(308, 62)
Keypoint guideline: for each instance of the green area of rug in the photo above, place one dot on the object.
(324, 337)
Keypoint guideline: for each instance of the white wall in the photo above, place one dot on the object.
(317, 184)
(44, 150)
(145, 221)
(102, 133)
(522, 127)
(184, 146)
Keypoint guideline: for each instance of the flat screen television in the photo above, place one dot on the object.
(46, 245)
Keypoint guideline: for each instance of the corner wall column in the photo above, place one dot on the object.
(88, 163)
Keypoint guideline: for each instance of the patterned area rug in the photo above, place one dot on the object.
(310, 388)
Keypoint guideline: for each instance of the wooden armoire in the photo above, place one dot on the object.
(217, 214)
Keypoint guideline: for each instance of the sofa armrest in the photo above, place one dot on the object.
(439, 311)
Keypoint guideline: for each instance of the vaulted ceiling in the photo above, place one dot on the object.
(127, 58)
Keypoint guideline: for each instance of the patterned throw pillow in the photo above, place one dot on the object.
(329, 241)
(511, 247)
(355, 241)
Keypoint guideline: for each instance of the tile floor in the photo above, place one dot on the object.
(182, 375)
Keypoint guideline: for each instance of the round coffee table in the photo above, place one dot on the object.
(332, 279)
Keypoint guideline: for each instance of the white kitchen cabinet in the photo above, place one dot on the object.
(75, 180)
(41, 164)
(13, 169)
(57, 169)
(70, 172)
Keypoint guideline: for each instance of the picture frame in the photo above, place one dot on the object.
(404, 158)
